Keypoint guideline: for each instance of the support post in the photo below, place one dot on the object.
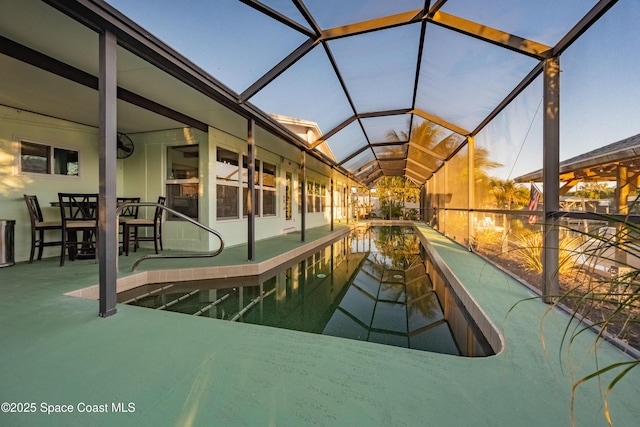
(345, 193)
(303, 219)
(471, 150)
(251, 181)
(331, 198)
(551, 174)
(107, 231)
(623, 189)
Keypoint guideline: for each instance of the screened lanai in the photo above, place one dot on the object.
(462, 97)
(372, 75)
(425, 90)
(450, 93)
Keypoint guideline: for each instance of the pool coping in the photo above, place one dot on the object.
(480, 317)
(135, 279)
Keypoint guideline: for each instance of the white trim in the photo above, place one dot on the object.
(49, 175)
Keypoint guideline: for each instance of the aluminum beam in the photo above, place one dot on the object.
(251, 184)
(107, 238)
(280, 68)
(551, 168)
(303, 215)
(427, 151)
(491, 35)
(373, 25)
(439, 121)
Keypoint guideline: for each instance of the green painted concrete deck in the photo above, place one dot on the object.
(179, 370)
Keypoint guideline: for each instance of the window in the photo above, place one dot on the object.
(232, 173)
(245, 204)
(228, 187)
(47, 159)
(183, 180)
(182, 161)
(299, 193)
(316, 196)
(226, 165)
(323, 197)
(309, 196)
(184, 199)
(226, 202)
(269, 199)
(245, 170)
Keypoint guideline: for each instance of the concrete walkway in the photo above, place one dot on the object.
(148, 367)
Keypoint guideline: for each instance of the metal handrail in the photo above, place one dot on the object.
(183, 216)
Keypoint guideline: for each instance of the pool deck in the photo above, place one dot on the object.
(180, 370)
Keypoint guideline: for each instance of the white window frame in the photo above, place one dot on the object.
(51, 160)
(181, 181)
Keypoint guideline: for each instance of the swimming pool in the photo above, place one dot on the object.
(371, 285)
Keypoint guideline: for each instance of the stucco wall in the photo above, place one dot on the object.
(16, 125)
(143, 175)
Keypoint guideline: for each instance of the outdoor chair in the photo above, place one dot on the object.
(39, 226)
(79, 213)
(132, 227)
(126, 214)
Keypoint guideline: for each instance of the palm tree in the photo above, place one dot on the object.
(595, 190)
(393, 191)
(508, 193)
(432, 137)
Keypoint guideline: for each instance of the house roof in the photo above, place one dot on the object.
(368, 72)
(600, 164)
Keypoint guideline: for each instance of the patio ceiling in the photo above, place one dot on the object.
(395, 87)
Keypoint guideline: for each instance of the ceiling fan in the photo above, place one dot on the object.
(125, 146)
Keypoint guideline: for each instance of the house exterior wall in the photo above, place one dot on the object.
(144, 175)
(17, 125)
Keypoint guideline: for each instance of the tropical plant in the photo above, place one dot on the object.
(485, 237)
(594, 190)
(610, 304)
(393, 192)
(529, 251)
(397, 246)
(508, 194)
(390, 208)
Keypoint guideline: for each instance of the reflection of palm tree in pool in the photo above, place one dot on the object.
(400, 246)
(397, 246)
(418, 300)
(392, 291)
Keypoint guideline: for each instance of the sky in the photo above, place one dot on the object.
(600, 91)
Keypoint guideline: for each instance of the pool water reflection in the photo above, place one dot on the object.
(369, 286)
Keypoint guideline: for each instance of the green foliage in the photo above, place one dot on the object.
(508, 194)
(390, 208)
(610, 302)
(530, 251)
(594, 190)
(393, 192)
(412, 214)
(486, 237)
(397, 244)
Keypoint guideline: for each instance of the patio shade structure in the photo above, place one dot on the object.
(619, 161)
(370, 74)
